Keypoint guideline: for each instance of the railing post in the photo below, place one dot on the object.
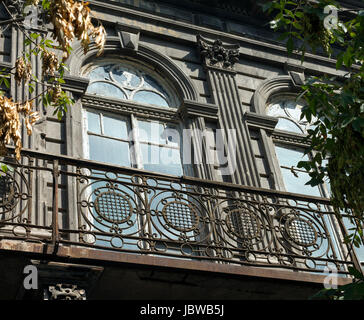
(55, 226)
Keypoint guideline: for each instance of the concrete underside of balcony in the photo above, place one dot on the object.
(115, 275)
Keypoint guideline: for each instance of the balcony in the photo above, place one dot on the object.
(124, 210)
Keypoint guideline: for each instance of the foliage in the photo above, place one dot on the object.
(335, 105)
(350, 291)
(70, 20)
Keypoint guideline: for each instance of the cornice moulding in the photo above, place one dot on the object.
(192, 109)
(265, 45)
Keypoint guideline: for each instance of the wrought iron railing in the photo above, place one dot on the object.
(128, 210)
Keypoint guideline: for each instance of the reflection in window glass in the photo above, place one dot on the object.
(109, 150)
(160, 147)
(288, 125)
(151, 131)
(161, 159)
(106, 90)
(100, 73)
(289, 114)
(115, 128)
(94, 122)
(159, 143)
(104, 132)
(294, 179)
(150, 98)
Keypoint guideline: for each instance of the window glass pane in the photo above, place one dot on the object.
(161, 159)
(100, 73)
(105, 89)
(289, 114)
(151, 132)
(126, 77)
(126, 81)
(172, 135)
(109, 150)
(114, 127)
(294, 182)
(150, 98)
(93, 122)
(293, 109)
(289, 157)
(297, 184)
(275, 110)
(151, 83)
(288, 125)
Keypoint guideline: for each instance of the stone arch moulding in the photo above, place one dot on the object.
(268, 89)
(161, 63)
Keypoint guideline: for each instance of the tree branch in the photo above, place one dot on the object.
(11, 21)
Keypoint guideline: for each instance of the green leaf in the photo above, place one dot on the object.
(31, 89)
(290, 46)
(304, 164)
(6, 82)
(339, 61)
(298, 25)
(4, 168)
(354, 291)
(34, 35)
(358, 124)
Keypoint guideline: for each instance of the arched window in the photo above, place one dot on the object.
(145, 135)
(127, 81)
(130, 137)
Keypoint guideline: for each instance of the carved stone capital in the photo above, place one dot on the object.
(218, 55)
(65, 292)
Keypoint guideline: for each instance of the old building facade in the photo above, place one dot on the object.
(174, 173)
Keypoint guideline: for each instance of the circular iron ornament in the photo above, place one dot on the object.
(180, 216)
(243, 224)
(301, 231)
(113, 207)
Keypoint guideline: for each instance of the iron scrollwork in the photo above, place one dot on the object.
(160, 216)
(137, 212)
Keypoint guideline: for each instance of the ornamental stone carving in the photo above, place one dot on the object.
(217, 54)
(65, 292)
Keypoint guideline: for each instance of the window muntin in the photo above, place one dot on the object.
(108, 139)
(160, 147)
(157, 146)
(124, 80)
(294, 178)
(288, 113)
